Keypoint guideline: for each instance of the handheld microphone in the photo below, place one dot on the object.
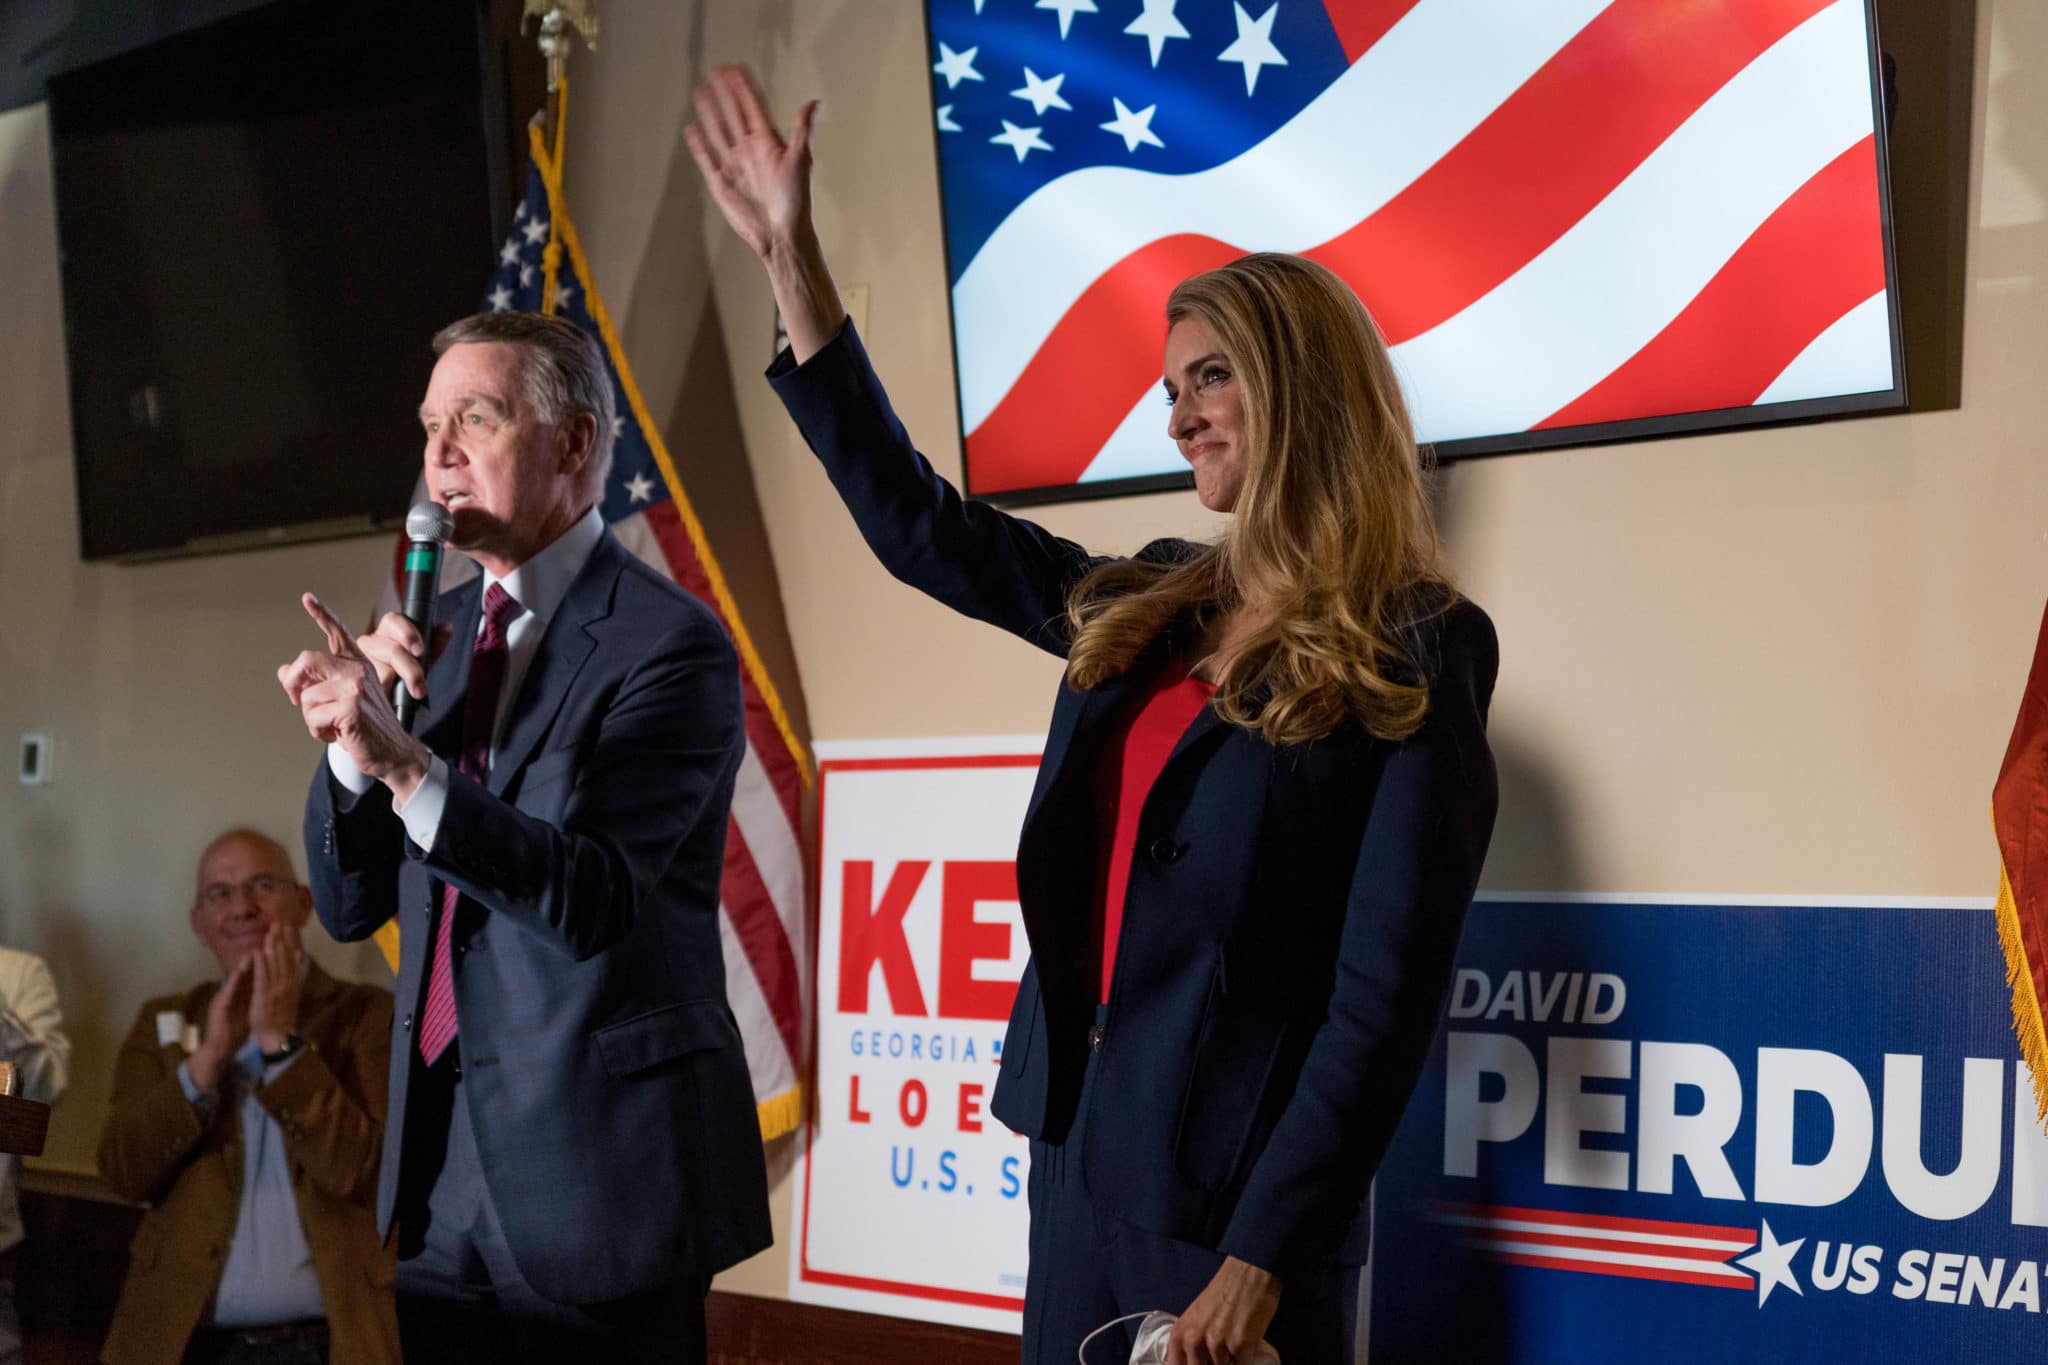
(428, 525)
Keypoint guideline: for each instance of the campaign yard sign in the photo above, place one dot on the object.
(910, 1197)
(1728, 1131)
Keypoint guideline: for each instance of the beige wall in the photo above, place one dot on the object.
(1778, 661)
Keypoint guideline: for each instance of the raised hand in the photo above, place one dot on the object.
(343, 701)
(760, 181)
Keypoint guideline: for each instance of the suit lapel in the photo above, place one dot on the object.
(564, 647)
(1085, 713)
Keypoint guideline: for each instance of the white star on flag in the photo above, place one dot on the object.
(1254, 46)
(618, 427)
(1133, 128)
(563, 293)
(946, 124)
(1067, 10)
(501, 299)
(519, 212)
(536, 231)
(640, 488)
(1021, 140)
(525, 276)
(1772, 1263)
(1157, 24)
(1043, 94)
(956, 66)
(509, 253)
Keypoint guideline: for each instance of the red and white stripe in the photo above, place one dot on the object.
(1571, 212)
(1596, 1244)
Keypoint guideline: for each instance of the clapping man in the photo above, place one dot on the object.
(249, 1113)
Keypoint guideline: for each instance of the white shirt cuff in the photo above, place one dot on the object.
(346, 772)
(422, 814)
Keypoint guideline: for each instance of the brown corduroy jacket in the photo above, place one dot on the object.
(330, 1106)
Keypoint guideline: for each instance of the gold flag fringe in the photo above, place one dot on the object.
(2026, 1003)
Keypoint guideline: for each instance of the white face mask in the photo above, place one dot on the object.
(1150, 1348)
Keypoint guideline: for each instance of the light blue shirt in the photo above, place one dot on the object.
(269, 1276)
(538, 586)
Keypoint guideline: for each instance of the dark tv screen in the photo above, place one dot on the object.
(262, 222)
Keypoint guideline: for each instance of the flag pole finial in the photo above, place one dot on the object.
(557, 17)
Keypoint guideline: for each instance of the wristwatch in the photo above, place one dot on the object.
(292, 1043)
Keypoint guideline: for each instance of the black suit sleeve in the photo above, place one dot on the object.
(981, 562)
(1417, 867)
(662, 761)
(354, 845)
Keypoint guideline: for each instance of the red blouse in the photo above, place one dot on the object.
(1138, 748)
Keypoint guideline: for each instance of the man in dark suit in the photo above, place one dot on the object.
(573, 1149)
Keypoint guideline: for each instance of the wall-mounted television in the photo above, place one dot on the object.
(1574, 221)
(262, 222)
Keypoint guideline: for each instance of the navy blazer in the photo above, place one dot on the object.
(1292, 911)
(614, 1116)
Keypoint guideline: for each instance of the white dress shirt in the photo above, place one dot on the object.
(538, 586)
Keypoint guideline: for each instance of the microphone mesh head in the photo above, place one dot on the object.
(430, 521)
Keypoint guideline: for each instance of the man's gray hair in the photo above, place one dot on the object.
(564, 374)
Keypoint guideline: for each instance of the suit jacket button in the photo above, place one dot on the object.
(1165, 851)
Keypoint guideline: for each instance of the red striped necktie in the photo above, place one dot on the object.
(479, 723)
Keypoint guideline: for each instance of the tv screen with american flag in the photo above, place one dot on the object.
(1573, 220)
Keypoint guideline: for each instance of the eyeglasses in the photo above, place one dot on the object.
(261, 887)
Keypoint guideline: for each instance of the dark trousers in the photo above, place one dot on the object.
(461, 1297)
(1088, 1268)
(298, 1344)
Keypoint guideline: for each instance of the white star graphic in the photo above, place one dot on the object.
(525, 276)
(1133, 128)
(1021, 140)
(519, 212)
(501, 299)
(1067, 10)
(536, 231)
(1254, 46)
(946, 124)
(1772, 1262)
(618, 427)
(1043, 94)
(1157, 24)
(509, 253)
(563, 293)
(956, 66)
(640, 488)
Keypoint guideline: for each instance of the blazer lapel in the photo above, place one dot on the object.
(1084, 713)
(564, 647)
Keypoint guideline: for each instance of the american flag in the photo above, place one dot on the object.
(1561, 213)
(762, 905)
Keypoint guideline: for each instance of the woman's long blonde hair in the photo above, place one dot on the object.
(1332, 534)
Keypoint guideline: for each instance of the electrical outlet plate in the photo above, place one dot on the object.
(35, 760)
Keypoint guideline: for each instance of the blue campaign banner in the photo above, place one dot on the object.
(1717, 1132)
